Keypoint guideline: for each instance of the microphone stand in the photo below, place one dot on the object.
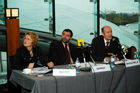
(122, 52)
(124, 72)
(93, 61)
(91, 67)
(119, 45)
(84, 60)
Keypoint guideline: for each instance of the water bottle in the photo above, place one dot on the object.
(112, 60)
(135, 55)
(77, 65)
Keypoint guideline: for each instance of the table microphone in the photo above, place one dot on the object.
(119, 46)
(86, 68)
(90, 52)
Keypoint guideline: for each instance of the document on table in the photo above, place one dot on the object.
(40, 70)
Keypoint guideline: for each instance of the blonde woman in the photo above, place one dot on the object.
(29, 54)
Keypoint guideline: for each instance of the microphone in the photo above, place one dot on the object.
(119, 46)
(86, 68)
(81, 44)
(90, 52)
(92, 60)
(113, 39)
(116, 41)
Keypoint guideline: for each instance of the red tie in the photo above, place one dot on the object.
(107, 45)
(67, 54)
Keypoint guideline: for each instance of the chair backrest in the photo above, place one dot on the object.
(131, 52)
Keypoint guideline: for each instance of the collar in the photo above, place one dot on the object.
(65, 43)
(106, 40)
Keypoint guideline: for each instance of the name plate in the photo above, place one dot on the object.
(130, 63)
(64, 72)
(101, 68)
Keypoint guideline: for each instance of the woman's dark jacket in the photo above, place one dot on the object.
(23, 58)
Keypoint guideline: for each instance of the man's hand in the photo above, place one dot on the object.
(50, 64)
(31, 65)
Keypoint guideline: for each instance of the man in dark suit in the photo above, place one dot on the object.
(62, 52)
(105, 45)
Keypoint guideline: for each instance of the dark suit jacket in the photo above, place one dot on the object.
(99, 51)
(57, 53)
(23, 58)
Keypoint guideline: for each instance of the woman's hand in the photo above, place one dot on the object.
(50, 64)
(31, 65)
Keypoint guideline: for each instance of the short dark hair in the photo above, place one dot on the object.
(68, 30)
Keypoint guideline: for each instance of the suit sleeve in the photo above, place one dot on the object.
(94, 48)
(17, 60)
(51, 53)
(75, 53)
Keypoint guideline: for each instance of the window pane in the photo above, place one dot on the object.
(77, 15)
(33, 14)
(2, 19)
(3, 58)
(123, 17)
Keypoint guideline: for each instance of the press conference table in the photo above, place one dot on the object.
(119, 80)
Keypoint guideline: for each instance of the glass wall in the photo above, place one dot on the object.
(2, 12)
(77, 15)
(123, 17)
(33, 14)
(3, 55)
(3, 68)
(138, 32)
